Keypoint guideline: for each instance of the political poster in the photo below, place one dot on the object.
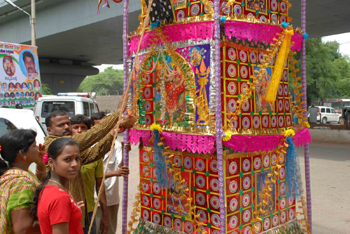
(19, 75)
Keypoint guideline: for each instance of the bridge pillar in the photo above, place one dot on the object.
(64, 77)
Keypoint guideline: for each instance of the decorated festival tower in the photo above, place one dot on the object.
(220, 111)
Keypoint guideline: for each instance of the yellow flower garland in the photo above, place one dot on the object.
(228, 135)
(289, 132)
(156, 127)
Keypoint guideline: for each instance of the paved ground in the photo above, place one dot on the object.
(330, 186)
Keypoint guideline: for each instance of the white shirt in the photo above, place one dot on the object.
(112, 183)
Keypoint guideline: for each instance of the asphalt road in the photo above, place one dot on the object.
(330, 186)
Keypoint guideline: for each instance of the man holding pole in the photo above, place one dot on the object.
(58, 125)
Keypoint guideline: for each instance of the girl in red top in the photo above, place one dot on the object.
(55, 208)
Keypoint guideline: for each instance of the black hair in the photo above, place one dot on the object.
(79, 119)
(12, 143)
(54, 150)
(53, 115)
(28, 54)
(97, 116)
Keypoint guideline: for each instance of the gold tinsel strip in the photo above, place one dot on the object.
(209, 17)
(182, 130)
(296, 106)
(266, 193)
(136, 211)
(241, 47)
(270, 179)
(209, 131)
(176, 175)
(146, 148)
(193, 155)
(245, 155)
(303, 220)
(256, 78)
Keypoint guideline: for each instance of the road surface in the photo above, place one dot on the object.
(330, 186)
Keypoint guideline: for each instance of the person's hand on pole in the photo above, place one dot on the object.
(128, 146)
(123, 171)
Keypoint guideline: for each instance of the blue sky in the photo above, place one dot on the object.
(342, 39)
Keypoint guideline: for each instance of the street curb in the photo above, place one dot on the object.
(330, 136)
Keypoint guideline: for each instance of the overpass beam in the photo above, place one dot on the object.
(64, 77)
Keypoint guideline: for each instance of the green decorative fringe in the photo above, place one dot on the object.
(145, 227)
(293, 228)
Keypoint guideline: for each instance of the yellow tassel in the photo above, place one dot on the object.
(277, 74)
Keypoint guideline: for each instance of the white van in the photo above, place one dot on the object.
(72, 103)
(327, 114)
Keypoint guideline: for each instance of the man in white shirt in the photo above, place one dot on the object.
(115, 169)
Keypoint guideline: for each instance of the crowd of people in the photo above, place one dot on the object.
(60, 197)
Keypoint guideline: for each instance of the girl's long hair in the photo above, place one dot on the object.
(54, 150)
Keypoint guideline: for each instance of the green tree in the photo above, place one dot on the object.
(327, 71)
(108, 82)
(46, 89)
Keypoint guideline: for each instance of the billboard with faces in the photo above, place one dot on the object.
(19, 75)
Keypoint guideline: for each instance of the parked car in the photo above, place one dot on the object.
(72, 103)
(327, 114)
(11, 119)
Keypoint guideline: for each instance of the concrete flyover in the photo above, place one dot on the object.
(72, 37)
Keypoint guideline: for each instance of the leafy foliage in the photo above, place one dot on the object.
(105, 83)
(327, 71)
(46, 89)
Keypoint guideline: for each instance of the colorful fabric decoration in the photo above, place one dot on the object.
(302, 138)
(135, 135)
(191, 143)
(197, 31)
(206, 80)
(206, 143)
(159, 160)
(161, 10)
(259, 33)
(277, 74)
(292, 169)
